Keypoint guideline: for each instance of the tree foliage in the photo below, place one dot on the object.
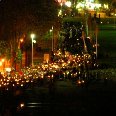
(18, 18)
(24, 16)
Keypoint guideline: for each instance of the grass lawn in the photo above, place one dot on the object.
(107, 43)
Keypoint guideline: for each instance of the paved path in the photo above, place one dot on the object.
(66, 98)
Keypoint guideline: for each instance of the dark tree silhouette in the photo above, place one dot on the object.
(18, 18)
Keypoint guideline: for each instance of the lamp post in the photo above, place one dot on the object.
(51, 31)
(96, 33)
(20, 52)
(52, 40)
(32, 39)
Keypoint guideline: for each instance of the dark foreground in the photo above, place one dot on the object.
(62, 98)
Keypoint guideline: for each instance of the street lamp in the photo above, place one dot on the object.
(96, 34)
(33, 41)
(51, 31)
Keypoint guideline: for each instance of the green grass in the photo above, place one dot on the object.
(108, 27)
(107, 42)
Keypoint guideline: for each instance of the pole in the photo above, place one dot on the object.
(32, 51)
(96, 46)
(96, 32)
(32, 37)
(85, 47)
(52, 39)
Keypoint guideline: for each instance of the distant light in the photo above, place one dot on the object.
(32, 36)
(21, 40)
(8, 69)
(106, 6)
(0, 63)
(3, 60)
(51, 30)
(34, 41)
(68, 3)
(22, 105)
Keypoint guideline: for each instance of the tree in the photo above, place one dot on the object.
(73, 41)
(19, 18)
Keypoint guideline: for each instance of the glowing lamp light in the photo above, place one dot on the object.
(22, 105)
(21, 40)
(0, 63)
(33, 41)
(32, 36)
(8, 69)
(3, 60)
(68, 3)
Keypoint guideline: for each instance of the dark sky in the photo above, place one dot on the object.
(23, 15)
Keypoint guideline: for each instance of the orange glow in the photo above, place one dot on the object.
(21, 40)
